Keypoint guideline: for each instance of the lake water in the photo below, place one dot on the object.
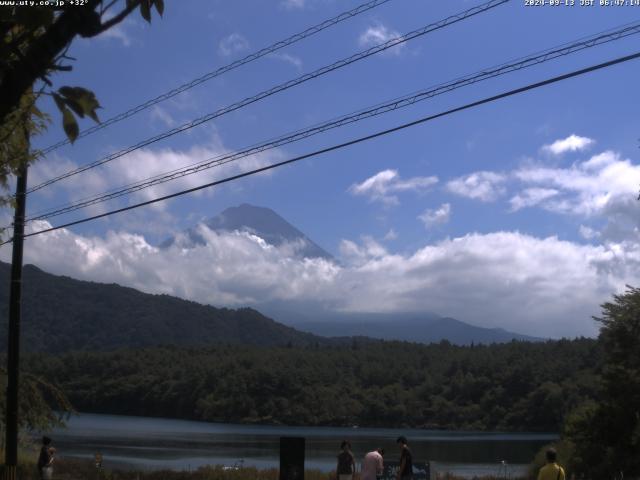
(155, 443)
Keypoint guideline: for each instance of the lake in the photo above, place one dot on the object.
(155, 443)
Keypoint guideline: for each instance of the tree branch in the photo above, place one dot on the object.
(118, 18)
(40, 54)
(105, 8)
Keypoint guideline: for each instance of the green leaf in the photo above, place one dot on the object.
(59, 102)
(159, 6)
(145, 10)
(66, 91)
(94, 116)
(70, 125)
(81, 101)
(75, 106)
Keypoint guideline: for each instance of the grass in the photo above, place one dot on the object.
(82, 470)
(71, 469)
(75, 469)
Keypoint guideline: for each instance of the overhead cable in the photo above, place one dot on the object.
(281, 87)
(379, 109)
(222, 70)
(340, 146)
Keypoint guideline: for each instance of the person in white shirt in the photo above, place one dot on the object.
(372, 465)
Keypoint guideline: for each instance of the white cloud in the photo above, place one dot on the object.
(604, 186)
(378, 34)
(432, 217)
(539, 286)
(141, 165)
(144, 163)
(79, 186)
(554, 286)
(360, 254)
(600, 161)
(572, 143)
(232, 44)
(293, 4)
(160, 114)
(588, 188)
(588, 233)
(119, 32)
(622, 214)
(288, 58)
(484, 186)
(391, 235)
(232, 269)
(383, 185)
(530, 197)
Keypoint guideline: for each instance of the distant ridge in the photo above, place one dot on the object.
(428, 331)
(411, 327)
(260, 221)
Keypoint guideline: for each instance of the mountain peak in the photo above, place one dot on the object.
(260, 221)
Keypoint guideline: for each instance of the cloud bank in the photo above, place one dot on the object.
(542, 286)
(539, 286)
(138, 166)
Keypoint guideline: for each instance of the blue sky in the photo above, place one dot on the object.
(523, 204)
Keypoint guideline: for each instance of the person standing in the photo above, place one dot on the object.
(405, 471)
(346, 462)
(45, 459)
(551, 471)
(372, 465)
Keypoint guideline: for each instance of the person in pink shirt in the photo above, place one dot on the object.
(372, 465)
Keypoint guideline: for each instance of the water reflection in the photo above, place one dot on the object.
(152, 443)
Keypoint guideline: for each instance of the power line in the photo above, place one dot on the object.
(401, 102)
(381, 133)
(227, 68)
(284, 86)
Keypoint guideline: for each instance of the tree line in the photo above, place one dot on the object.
(518, 386)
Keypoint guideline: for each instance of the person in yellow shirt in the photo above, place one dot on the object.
(551, 471)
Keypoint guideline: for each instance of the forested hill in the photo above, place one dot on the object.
(514, 386)
(61, 314)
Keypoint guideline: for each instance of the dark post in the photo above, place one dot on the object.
(13, 350)
(291, 458)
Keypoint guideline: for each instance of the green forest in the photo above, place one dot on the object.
(515, 386)
(588, 390)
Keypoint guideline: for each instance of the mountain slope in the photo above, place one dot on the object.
(60, 313)
(260, 221)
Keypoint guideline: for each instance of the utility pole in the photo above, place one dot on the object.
(13, 355)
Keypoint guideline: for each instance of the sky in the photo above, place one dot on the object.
(519, 214)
